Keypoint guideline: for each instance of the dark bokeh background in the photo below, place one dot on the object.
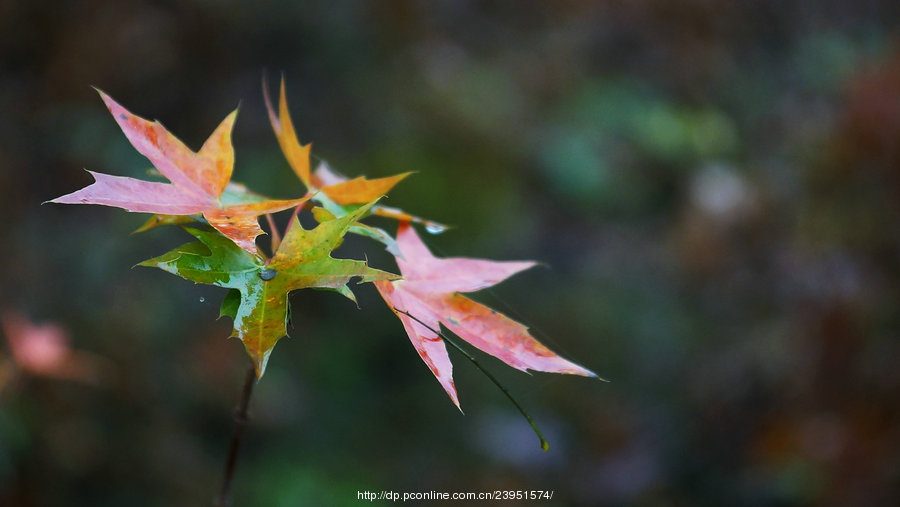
(713, 186)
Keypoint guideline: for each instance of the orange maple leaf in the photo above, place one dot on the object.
(339, 189)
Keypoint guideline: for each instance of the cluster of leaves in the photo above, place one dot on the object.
(225, 254)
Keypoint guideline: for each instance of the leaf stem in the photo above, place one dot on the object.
(293, 217)
(544, 444)
(240, 422)
(276, 237)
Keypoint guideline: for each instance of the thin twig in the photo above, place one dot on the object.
(544, 444)
(240, 422)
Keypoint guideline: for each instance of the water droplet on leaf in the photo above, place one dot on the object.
(435, 228)
(202, 299)
(268, 274)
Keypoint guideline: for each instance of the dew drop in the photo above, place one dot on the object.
(268, 274)
(435, 228)
(202, 299)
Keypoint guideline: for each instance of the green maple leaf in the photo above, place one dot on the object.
(303, 260)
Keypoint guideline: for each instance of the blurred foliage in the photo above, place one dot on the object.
(713, 187)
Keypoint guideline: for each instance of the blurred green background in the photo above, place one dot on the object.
(714, 188)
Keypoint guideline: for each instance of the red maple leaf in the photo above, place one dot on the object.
(197, 179)
(430, 292)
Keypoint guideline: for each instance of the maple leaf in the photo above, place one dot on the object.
(339, 194)
(198, 179)
(234, 194)
(302, 260)
(342, 186)
(343, 190)
(430, 291)
(359, 190)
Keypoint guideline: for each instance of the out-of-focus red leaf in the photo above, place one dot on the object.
(43, 349)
